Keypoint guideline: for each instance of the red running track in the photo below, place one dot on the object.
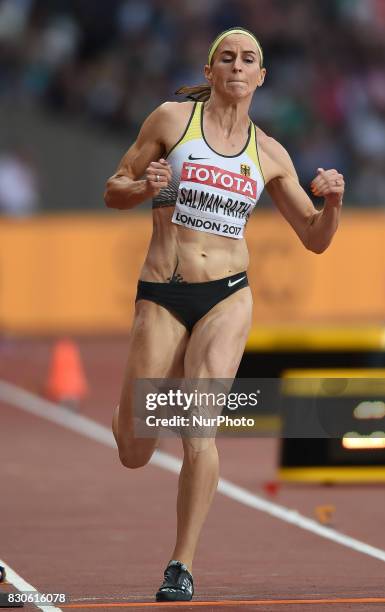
(73, 520)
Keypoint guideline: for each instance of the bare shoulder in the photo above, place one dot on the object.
(170, 120)
(173, 109)
(270, 146)
(275, 160)
(166, 113)
(158, 133)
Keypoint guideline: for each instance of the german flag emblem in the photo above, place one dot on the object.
(245, 170)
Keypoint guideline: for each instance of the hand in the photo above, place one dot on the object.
(158, 175)
(330, 185)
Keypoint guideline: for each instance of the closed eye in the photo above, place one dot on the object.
(247, 60)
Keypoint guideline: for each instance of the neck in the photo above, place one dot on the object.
(230, 116)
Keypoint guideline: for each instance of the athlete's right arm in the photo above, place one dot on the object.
(126, 188)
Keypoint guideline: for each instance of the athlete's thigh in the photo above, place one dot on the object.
(217, 342)
(156, 349)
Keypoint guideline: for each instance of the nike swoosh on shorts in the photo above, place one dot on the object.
(238, 280)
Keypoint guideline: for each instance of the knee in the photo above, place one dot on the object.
(133, 461)
(195, 447)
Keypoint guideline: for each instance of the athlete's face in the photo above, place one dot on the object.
(235, 69)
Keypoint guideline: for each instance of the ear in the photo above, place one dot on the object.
(207, 73)
(262, 76)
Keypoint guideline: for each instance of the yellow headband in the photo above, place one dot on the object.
(220, 37)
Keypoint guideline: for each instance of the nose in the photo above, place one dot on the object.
(237, 65)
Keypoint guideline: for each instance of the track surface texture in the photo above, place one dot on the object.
(74, 520)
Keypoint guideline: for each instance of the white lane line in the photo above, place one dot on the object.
(21, 585)
(89, 428)
(294, 517)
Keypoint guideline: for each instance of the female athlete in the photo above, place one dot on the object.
(205, 164)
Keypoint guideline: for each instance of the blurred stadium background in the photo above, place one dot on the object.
(77, 78)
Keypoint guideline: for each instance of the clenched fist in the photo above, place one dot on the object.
(330, 185)
(158, 175)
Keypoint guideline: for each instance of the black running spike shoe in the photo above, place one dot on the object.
(178, 584)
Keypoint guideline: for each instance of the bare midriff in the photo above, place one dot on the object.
(180, 254)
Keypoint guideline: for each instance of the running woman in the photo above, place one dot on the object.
(205, 165)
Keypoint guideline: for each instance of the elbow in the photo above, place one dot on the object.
(109, 198)
(317, 248)
(317, 244)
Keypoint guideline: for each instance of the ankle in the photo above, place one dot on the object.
(182, 559)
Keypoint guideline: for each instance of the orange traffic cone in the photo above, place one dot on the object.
(66, 379)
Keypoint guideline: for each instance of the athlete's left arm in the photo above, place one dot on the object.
(315, 228)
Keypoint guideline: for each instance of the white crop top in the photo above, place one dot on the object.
(212, 192)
